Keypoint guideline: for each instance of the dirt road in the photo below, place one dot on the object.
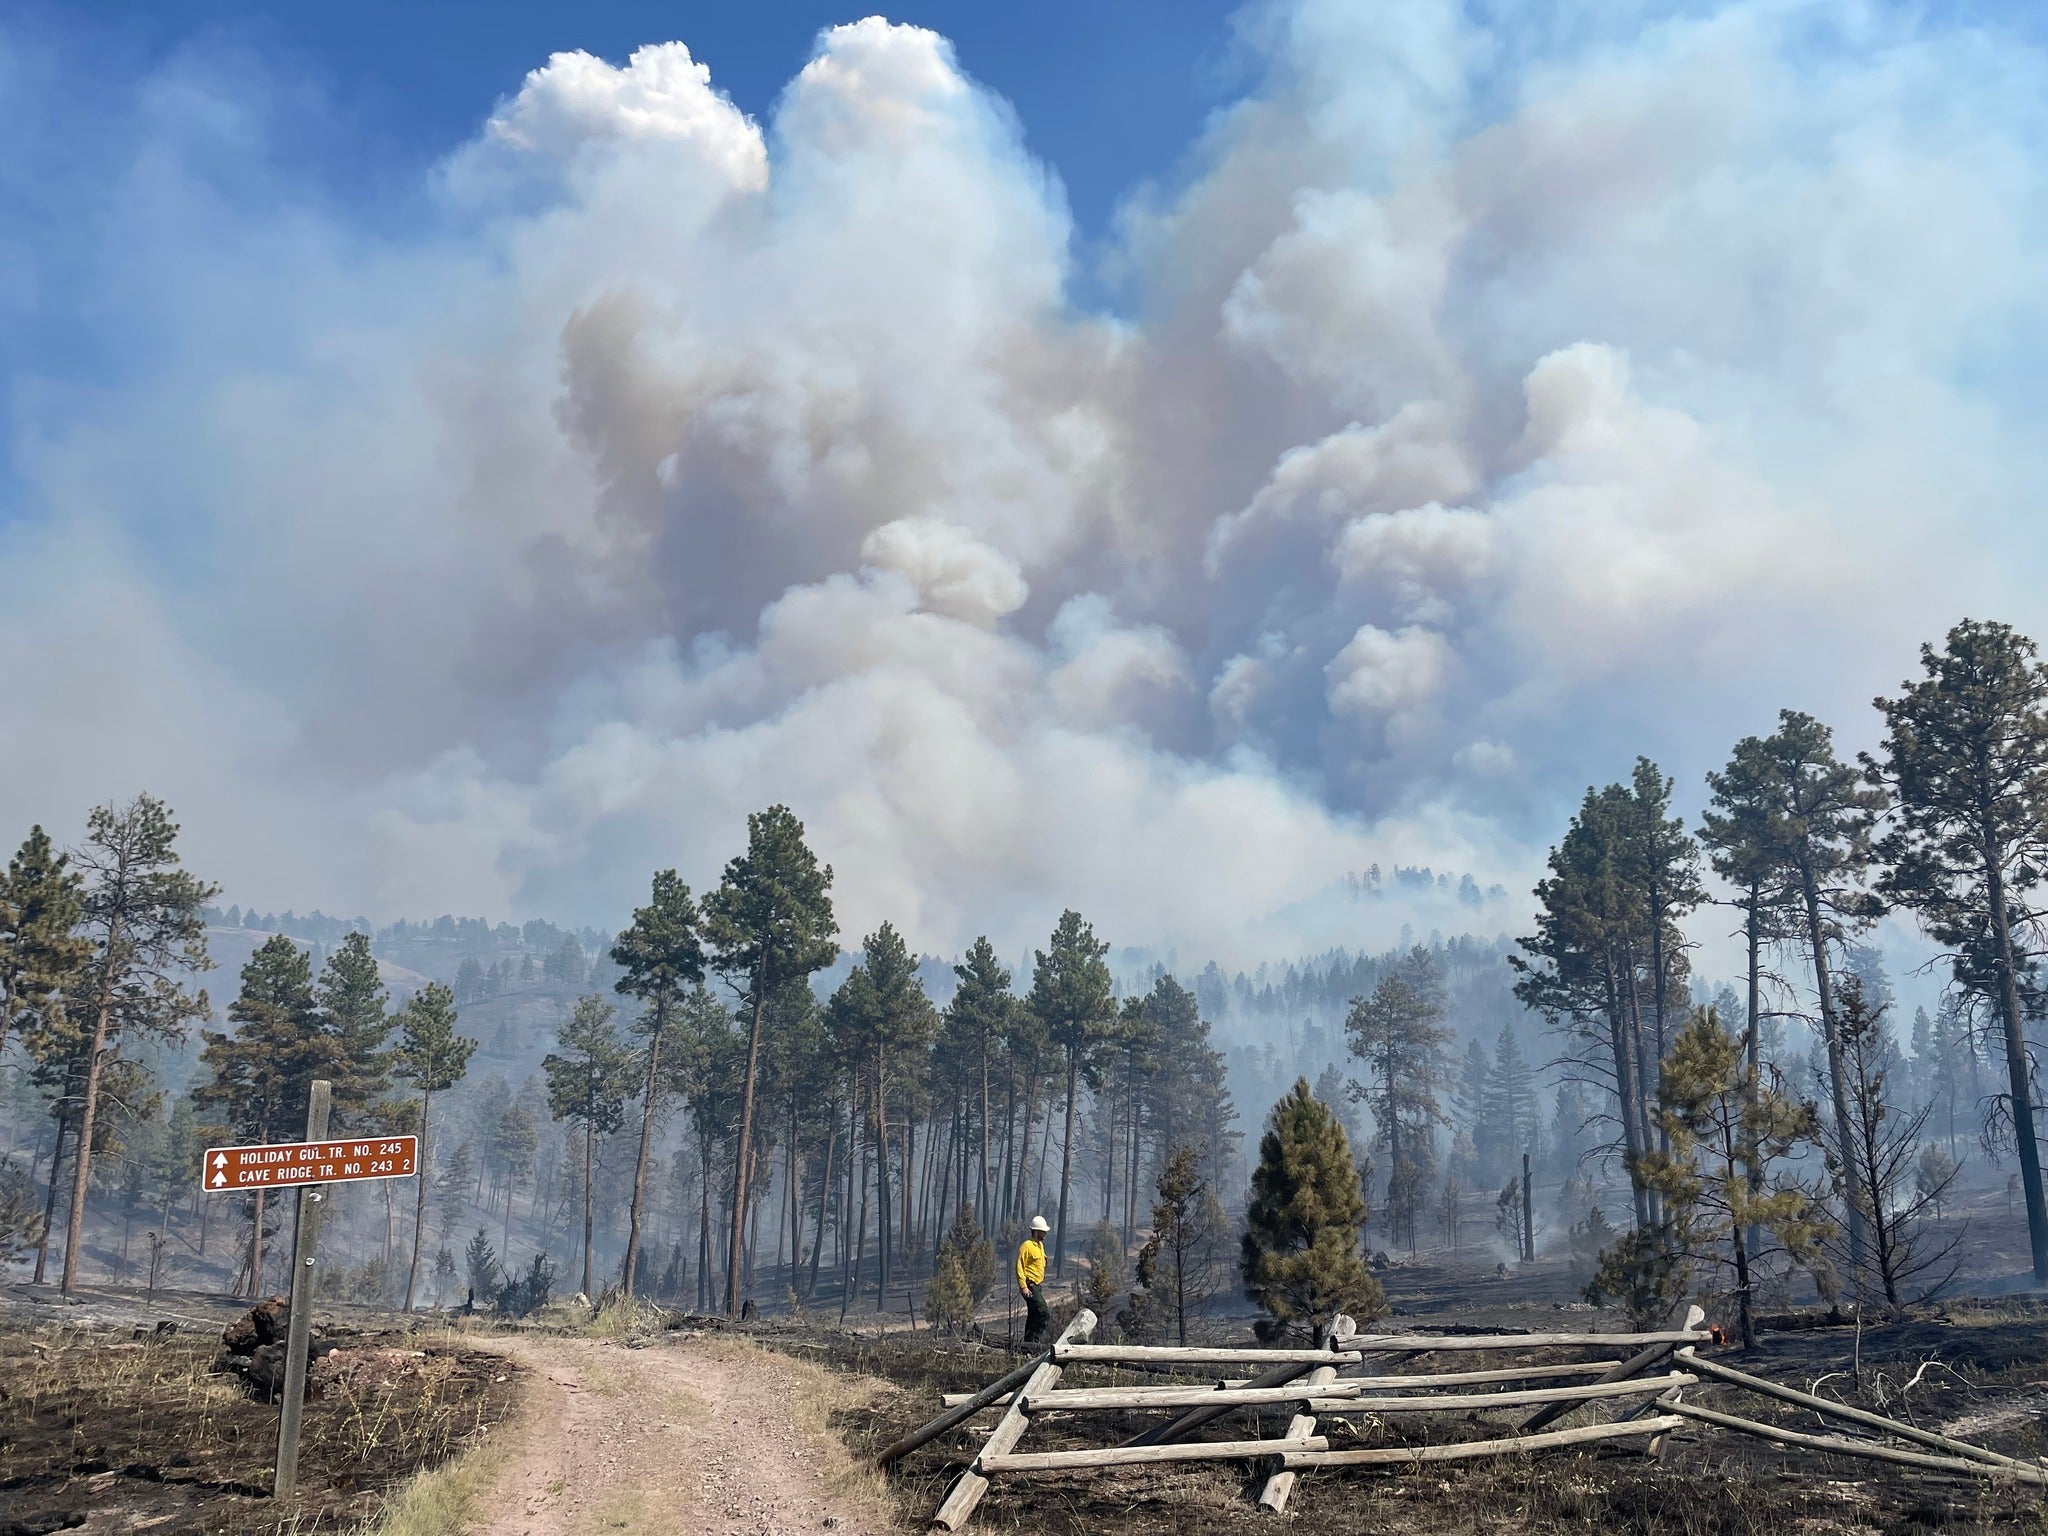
(702, 1435)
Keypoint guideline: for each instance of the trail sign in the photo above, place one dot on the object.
(293, 1164)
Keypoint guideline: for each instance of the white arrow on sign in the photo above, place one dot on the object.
(220, 1159)
(219, 1179)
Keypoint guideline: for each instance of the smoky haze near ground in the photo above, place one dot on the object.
(1475, 407)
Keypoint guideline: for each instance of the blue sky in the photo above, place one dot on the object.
(1108, 93)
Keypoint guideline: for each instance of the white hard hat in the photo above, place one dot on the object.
(1038, 1224)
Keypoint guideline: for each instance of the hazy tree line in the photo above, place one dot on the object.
(865, 1124)
(715, 1120)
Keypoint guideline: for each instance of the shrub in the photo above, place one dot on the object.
(948, 1302)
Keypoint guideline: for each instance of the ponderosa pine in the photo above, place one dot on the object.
(768, 924)
(1300, 1252)
(431, 1058)
(1965, 757)
(661, 958)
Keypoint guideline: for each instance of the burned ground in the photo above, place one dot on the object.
(1978, 1370)
(102, 1431)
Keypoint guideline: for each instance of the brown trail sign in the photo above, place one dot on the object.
(286, 1165)
(305, 1166)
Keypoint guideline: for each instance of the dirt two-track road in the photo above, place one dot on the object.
(698, 1435)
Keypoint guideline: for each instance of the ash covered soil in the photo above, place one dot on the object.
(112, 1422)
(1975, 1369)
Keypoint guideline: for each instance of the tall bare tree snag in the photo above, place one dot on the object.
(142, 915)
(1908, 1262)
(1965, 756)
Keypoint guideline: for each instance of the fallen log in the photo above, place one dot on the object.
(1821, 1405)
(968, 1489)
(1416, 1455)
(1139, 1455)
(1869, 1450)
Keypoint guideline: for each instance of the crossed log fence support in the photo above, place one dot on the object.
(1336, 1380)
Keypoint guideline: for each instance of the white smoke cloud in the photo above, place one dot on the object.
(577, 102)
(1488, 405)
(953, 571)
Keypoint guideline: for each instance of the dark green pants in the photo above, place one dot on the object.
(1036, 1314)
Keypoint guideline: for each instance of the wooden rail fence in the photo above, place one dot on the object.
(1334, 1381)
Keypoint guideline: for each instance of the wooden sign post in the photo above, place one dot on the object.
(306, 1167)
(299, 1327)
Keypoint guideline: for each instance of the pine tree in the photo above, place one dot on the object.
(1664, 867)
(20, 1222)
(662, 958)
(1478, 1139)
(1966, 757)
(768, 924)
(1510, 1097)
(1188, 1100)
(706, 1068)
(354, 1003)
(1398, 1032)
(431, 1058)
(1301, 1258)
(515, 1141)
(883, 1023)
(1072, 998)
(1825, 852)
(1723, 1179)
(979, 1017)
(1607, 952)
(262, 1075)
(948, 1303)
(142, 916)
(480, 1262)
(454, 1184)
(172, 1157)
(589, 1077)
(1177, 1266)
(976, 1255)
(42, 956)
(1105, 1268)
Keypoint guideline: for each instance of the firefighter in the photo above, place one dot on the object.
(1031, 1280)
